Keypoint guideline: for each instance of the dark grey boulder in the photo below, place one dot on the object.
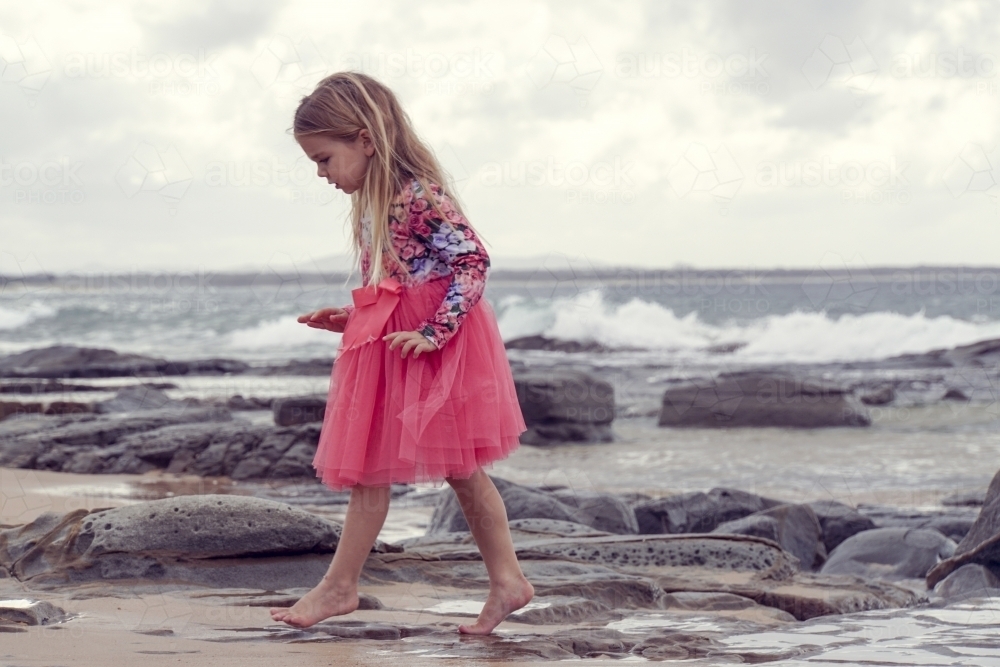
(239, 402)
(970, 580)
(68, 408)
(15, 408)
(537, 342)
(147, 540)
(838, 522)
(761, 398)
(564, 405)
(201, 441)
(141, 397)
(604, 512)
(794, 527)
(696, 511)
(952, 522)
(981, 544)
(48, 442)
(299, 409)
(879, 395)
(70, 361)
(600, 511)
(966, 498)
(890, 553)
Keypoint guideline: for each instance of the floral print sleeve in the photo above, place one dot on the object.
(455, 244)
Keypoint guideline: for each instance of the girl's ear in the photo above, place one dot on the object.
(366, 142)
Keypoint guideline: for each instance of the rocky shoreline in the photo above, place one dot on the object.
(599, 561)
(616, 574)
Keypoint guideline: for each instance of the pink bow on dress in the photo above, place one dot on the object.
(372, 306)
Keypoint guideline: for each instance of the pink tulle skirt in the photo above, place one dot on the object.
(444, 414)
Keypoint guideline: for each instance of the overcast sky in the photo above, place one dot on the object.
(153, 135)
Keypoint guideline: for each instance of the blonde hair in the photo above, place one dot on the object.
(340, 107)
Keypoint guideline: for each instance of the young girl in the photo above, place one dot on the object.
(421, 389)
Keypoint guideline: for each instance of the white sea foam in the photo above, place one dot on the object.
(794, 337)
(284, 332)
(12, 317)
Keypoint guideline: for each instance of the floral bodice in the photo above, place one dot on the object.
(432, 247)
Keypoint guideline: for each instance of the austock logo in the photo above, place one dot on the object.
(151, 170)
(705, 172)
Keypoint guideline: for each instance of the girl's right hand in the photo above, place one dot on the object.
(331, 319)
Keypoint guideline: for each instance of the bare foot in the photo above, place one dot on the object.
(323, 601)
(501, 602)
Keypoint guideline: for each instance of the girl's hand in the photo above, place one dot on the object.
(410, 340)
(331, 319)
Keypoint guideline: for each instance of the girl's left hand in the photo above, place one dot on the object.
(410, 340)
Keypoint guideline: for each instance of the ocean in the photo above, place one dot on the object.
(678, 317)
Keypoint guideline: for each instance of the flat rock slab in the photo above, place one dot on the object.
(761, 398)
(620, 573)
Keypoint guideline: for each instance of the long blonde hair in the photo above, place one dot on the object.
(341, 106)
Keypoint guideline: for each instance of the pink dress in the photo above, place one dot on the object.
(451, 410)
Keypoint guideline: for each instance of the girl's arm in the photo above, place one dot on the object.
(457, 245)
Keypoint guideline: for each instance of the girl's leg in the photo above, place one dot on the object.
(484, 510)
(337, 593)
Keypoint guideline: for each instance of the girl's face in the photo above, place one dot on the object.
(342, 163)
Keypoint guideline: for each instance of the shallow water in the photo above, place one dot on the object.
(912, 461)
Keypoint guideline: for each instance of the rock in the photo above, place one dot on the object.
(552, 528)
(697, 512)
(33, 387)
(299, 409)
(730, 552)
(198, 441)
(49, 442)
(967, 498)
(881, 395)
(67, 408)
(314, 367)
(794, 527)
(70, 361)
(238, 402)
(160, 538)
(952, 522)
(954, 394)
(889, 553)
(30, 612)
(600, 511)
(838, 522)
(564, 406)
(981, 544)
(521, 530)
(14, 408)
(636, 581)
(553, 345)
(761, 398)
(969, 580)
(562, 609)
(542, 610)
(985, 353)
(140, 397)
